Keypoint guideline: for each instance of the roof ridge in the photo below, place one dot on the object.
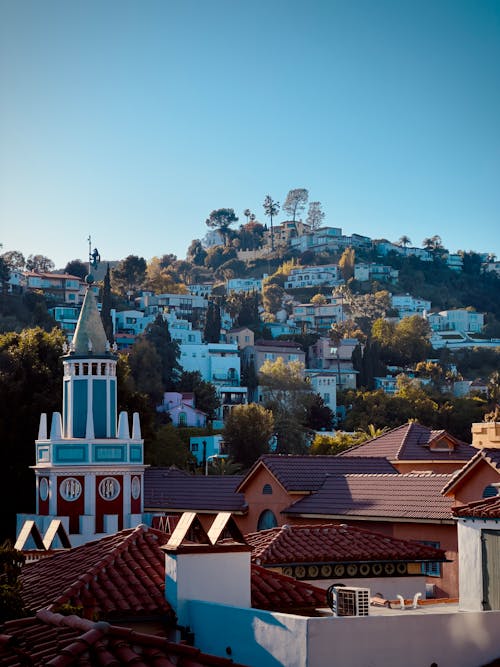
(409, 426)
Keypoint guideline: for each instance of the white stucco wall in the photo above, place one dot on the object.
(253, 637)
(413, 639)
(218, 577)
(470, 572)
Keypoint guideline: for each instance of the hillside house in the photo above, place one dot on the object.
(326, 275)
(181, 409)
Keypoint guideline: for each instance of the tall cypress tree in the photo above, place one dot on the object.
(211, 332)
(106, 308)
(158, 334)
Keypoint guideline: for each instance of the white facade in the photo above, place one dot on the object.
(460, 319)
(201, 289)
(313, 276)
(364, 272)
(318, 317)
(132, 321)
(244, 285)
(324, 383)
(218, 363)
(408, 305)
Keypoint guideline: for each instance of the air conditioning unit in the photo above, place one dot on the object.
(348, 600)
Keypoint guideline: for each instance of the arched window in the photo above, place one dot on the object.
(267, 490)
(490, 491)
(182, 419)
(267, 520)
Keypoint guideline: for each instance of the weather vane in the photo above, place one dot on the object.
(94, 259)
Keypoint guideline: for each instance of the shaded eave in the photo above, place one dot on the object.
(361, 517)
(180, 510)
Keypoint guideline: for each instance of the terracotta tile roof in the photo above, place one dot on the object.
(277, 592)
(116, 575)
(491, 456)
(308, 473)
(60, 641)
(331, 543)
(415, 496)
(124, 574)
(174, 490)
(486, 508)
(412, 442)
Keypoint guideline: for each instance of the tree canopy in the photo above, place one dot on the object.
(295, 202)
(247, 432)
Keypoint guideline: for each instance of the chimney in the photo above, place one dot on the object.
(203, 566)
(486, 435)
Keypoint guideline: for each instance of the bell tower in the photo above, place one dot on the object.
(89, 466)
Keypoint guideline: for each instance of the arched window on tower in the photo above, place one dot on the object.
(490, 491)
(267, 519)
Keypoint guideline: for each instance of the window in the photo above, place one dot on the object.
(431, 569)
(490, 491)
(267, 520)
(182, 419)
(326, 398)
(194, 447)
(267, 490)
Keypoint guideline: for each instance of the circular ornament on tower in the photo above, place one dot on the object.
(109, 488)
(70, 489)
(44, 489)
(136, 487)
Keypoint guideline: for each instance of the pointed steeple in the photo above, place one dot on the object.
(89, 336)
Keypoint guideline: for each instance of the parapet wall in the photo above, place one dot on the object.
(486, 434)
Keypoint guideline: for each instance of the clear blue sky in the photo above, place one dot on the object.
(131, 121)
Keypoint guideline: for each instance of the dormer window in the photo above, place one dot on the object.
(441, 445)
(267, 490)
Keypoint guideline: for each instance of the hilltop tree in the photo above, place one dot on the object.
(271, 209)
(404, 241)
(196, 253)
(14, 259)
(129, 275)
(295, 202)
(247, 432)
(39, 264)
(221, 219)
(76, 268)
(315, 215)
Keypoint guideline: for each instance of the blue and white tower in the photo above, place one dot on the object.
(90, 466)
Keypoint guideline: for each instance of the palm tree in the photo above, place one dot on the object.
(370, 432)
(404, 241)
(271, 209)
